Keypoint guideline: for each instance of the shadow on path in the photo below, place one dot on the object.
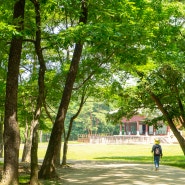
(99, 173)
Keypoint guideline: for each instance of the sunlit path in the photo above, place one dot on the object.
(91, 173)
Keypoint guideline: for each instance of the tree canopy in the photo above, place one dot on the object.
(100, 46)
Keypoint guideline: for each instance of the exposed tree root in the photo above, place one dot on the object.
(65, 166)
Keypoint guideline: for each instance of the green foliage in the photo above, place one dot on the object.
(140, 40)
(92, 119)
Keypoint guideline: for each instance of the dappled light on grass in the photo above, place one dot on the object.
(24, 179)
(139, 159)
(178, 161)
(172, 154)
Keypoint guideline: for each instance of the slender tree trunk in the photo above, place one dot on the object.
(11, 127)
(181, 107)
(66, 139)
(48, 167)
(34, 158)
(65, 146)
(57, 160)
(26, 155)
(40, 98)
(40, 137)
(177, 134)
(1, 135)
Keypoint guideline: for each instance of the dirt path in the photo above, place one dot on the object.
(98, 173)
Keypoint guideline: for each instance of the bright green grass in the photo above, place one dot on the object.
(96, 151)
(82, 151)
(24, 179)
(172, 154)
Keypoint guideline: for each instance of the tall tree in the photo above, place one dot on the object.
(48, 167)
(11, 127)
(67, 135)
(165, 86)
(159, 88)
(40, 98)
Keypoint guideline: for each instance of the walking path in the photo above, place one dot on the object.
(101, 173)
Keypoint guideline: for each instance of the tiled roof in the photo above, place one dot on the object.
(134, 119)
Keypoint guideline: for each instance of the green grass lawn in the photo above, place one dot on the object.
(172, 154)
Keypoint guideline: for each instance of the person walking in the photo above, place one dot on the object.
(157, 153)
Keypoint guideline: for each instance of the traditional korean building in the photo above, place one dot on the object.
(132, 131)
(137, 126)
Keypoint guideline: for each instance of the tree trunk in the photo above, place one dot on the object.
(66, 139)
(57, 156)
(40, 98)
(34, 157)
(177, 134)
(40, 136)
(26, 155)
(48, 167)
(11, 127)
(1, 136)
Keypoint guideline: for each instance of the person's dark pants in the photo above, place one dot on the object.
(156, 161)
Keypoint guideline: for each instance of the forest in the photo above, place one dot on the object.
(66, 64)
